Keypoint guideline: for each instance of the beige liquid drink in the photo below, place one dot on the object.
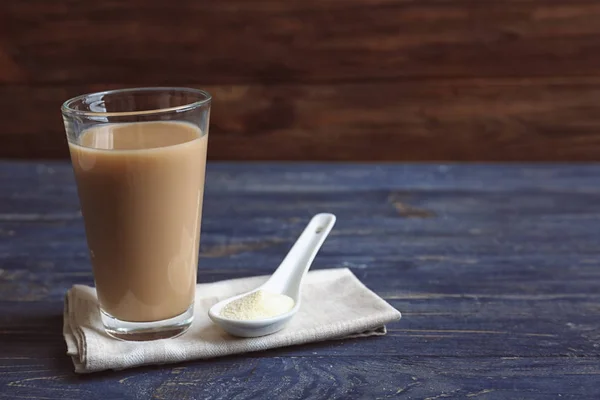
(141, 187)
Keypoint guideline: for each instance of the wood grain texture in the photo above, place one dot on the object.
(320, 378)
(496, 270)
(342, 80)
(265, 41)
(470, 120)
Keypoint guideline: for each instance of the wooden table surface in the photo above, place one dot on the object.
(494, 267)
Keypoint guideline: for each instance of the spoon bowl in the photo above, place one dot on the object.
(287, 280)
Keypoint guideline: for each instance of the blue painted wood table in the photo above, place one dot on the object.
(495, 268)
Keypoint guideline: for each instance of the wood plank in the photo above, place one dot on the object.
(460, 120)
(53, 178)
(240, 42)
(312, 378)
(433, 325)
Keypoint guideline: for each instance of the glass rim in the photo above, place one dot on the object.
(205, 98)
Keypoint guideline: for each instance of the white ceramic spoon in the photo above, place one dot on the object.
(287, 280)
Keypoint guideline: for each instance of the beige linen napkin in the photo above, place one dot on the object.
(335, 304)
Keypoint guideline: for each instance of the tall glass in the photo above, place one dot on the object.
(139, 158)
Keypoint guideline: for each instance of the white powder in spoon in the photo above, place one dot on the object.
(257, 305)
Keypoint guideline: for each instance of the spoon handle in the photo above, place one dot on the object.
(288, 276)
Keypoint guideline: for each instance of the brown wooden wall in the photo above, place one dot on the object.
(320, 79)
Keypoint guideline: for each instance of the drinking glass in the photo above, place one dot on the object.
(139, 157)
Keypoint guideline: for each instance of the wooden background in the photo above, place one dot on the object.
(464, 80)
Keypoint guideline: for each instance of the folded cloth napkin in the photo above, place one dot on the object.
(335, 304)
